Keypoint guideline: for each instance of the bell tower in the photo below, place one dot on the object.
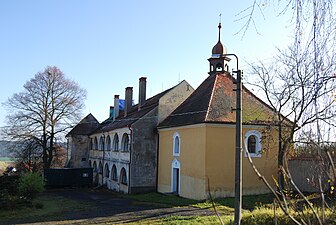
(218, 60)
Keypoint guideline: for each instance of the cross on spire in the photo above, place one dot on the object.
(219, 26)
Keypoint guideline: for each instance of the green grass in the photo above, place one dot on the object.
(190, 220)
(162, 200)
(7, 159)
(52, 208)
(259, 211)
(249, 202)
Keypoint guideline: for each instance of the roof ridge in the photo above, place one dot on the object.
(212, 94)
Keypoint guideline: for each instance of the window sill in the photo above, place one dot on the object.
(254, 155)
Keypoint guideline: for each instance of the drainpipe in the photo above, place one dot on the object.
(67, 158)
(103, 159)
(157, 160)
(130, 160)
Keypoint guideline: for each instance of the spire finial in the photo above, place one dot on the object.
(219, 26)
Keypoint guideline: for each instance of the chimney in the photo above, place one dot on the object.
(111, 112)
(128, 100)
(142, 92)
(116, 107)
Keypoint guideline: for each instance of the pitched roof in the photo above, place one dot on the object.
(132, 116)
(85, 126)
(213, 101)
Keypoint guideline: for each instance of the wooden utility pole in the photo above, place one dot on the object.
(238, 148)
(239, 152)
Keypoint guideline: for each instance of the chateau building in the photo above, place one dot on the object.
(123, 149)
(180, 141)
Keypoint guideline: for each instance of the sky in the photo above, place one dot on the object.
(106, 46)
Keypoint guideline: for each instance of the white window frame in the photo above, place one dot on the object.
(257, 134)
(176, 135)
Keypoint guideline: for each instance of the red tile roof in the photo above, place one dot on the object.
(213, 102)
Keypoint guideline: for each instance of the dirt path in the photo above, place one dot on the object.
(106, 207)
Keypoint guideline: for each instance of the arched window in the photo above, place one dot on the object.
(90, 164)
(95, 143)
(107, 171)
(108, 143)
(114, 173)
(219, 67)
(123, 176)
(91, 144)
(125, 143)
(176, 144)
(116, 143)
(101, 144)
(100, 169)
(94, 166)
(252, 143)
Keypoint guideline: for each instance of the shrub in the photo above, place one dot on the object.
(8, 184)
(8, 192)
(38, 205)
(30, 184)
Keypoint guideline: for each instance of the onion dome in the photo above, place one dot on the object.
(218, 49)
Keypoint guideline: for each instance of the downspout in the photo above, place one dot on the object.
(130, 160)
(157, 160)
(67, 158)
(103, 159)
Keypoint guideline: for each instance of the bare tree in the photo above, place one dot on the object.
(291, 88)
(299, 85)
(48, 106)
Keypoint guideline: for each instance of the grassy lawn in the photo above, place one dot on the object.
(7, 159)
(257, 210)
(44, 206)
(51, 209)
(224, 204)
(186, 220)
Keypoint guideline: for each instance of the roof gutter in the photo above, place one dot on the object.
(130, 159)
